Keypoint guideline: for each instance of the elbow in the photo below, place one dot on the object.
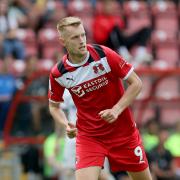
(50, 110)
(53, 108)
(139, 86)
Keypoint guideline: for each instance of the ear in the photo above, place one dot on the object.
(61, 40)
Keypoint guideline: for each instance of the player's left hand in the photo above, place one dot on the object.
(109, 115)
(71, 130)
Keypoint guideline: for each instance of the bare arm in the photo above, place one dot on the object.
(57, 114)
(60, 117)
(130, 94)
(134, 88)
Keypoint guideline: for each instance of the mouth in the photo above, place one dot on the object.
(82, 47)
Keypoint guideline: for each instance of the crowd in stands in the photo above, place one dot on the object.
(146, 33)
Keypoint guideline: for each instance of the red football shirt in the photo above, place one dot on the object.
(95, 85)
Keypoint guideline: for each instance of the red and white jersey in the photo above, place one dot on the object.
(95, 85)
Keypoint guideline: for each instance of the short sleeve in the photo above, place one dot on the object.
(119, 66)
(56, 91)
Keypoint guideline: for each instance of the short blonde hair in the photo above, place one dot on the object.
(68, 21)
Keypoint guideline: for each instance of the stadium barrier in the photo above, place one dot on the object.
(19, 97)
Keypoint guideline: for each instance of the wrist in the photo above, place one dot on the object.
(117, 109)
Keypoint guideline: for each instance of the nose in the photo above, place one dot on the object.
(81, 39)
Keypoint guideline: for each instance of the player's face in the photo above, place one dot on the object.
(74, 40)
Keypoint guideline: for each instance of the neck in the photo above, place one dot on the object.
(75, 59)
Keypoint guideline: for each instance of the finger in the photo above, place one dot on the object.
(108, 119)
(71, 132)
(71, 125)
(106, 115)
(71, 135)
(71, 129)
(112, 120)
(102, 112)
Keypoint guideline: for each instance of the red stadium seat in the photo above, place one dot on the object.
(57, 12)
(49, 42)
(168, 88)
(165, 16)
(99, 7)
(168, 52)
(135, 7)
(161, 36)
(48, 35)
(52, 51)
(117, 9)
(80, 8)
(28, 37)
(163, 8)
(168, 24)
(145, 92)
(147, 113)
(45, 64)
(170, 115)
(160, 64)
(137, 22)
(18, 67)
(87, 22)
(138, 15)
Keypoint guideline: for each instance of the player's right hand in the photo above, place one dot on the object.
(71, 130)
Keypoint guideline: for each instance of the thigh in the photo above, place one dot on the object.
(89, 173)
(141, 175)
(129, 156)
(89, 153)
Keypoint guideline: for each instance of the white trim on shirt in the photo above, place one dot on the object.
(128, 74)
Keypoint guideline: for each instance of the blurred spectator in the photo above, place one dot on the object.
(46, 13)
(53, 150)
(93, 2)
(173, 141)
(37, 88)
(8, 87)
(9, 22)
(69, 150)
(30, 158)
(109, 30)
(161, 160)
(29, 116)
(19, 12)
(149, 136)
(173, 145)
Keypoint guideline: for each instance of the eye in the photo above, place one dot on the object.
(75, 37)
(83, 34)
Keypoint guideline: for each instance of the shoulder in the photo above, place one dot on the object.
(58, 69)
(101, 50)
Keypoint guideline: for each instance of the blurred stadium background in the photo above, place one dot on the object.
(25, 120)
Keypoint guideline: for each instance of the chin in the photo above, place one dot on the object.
(83, 52)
